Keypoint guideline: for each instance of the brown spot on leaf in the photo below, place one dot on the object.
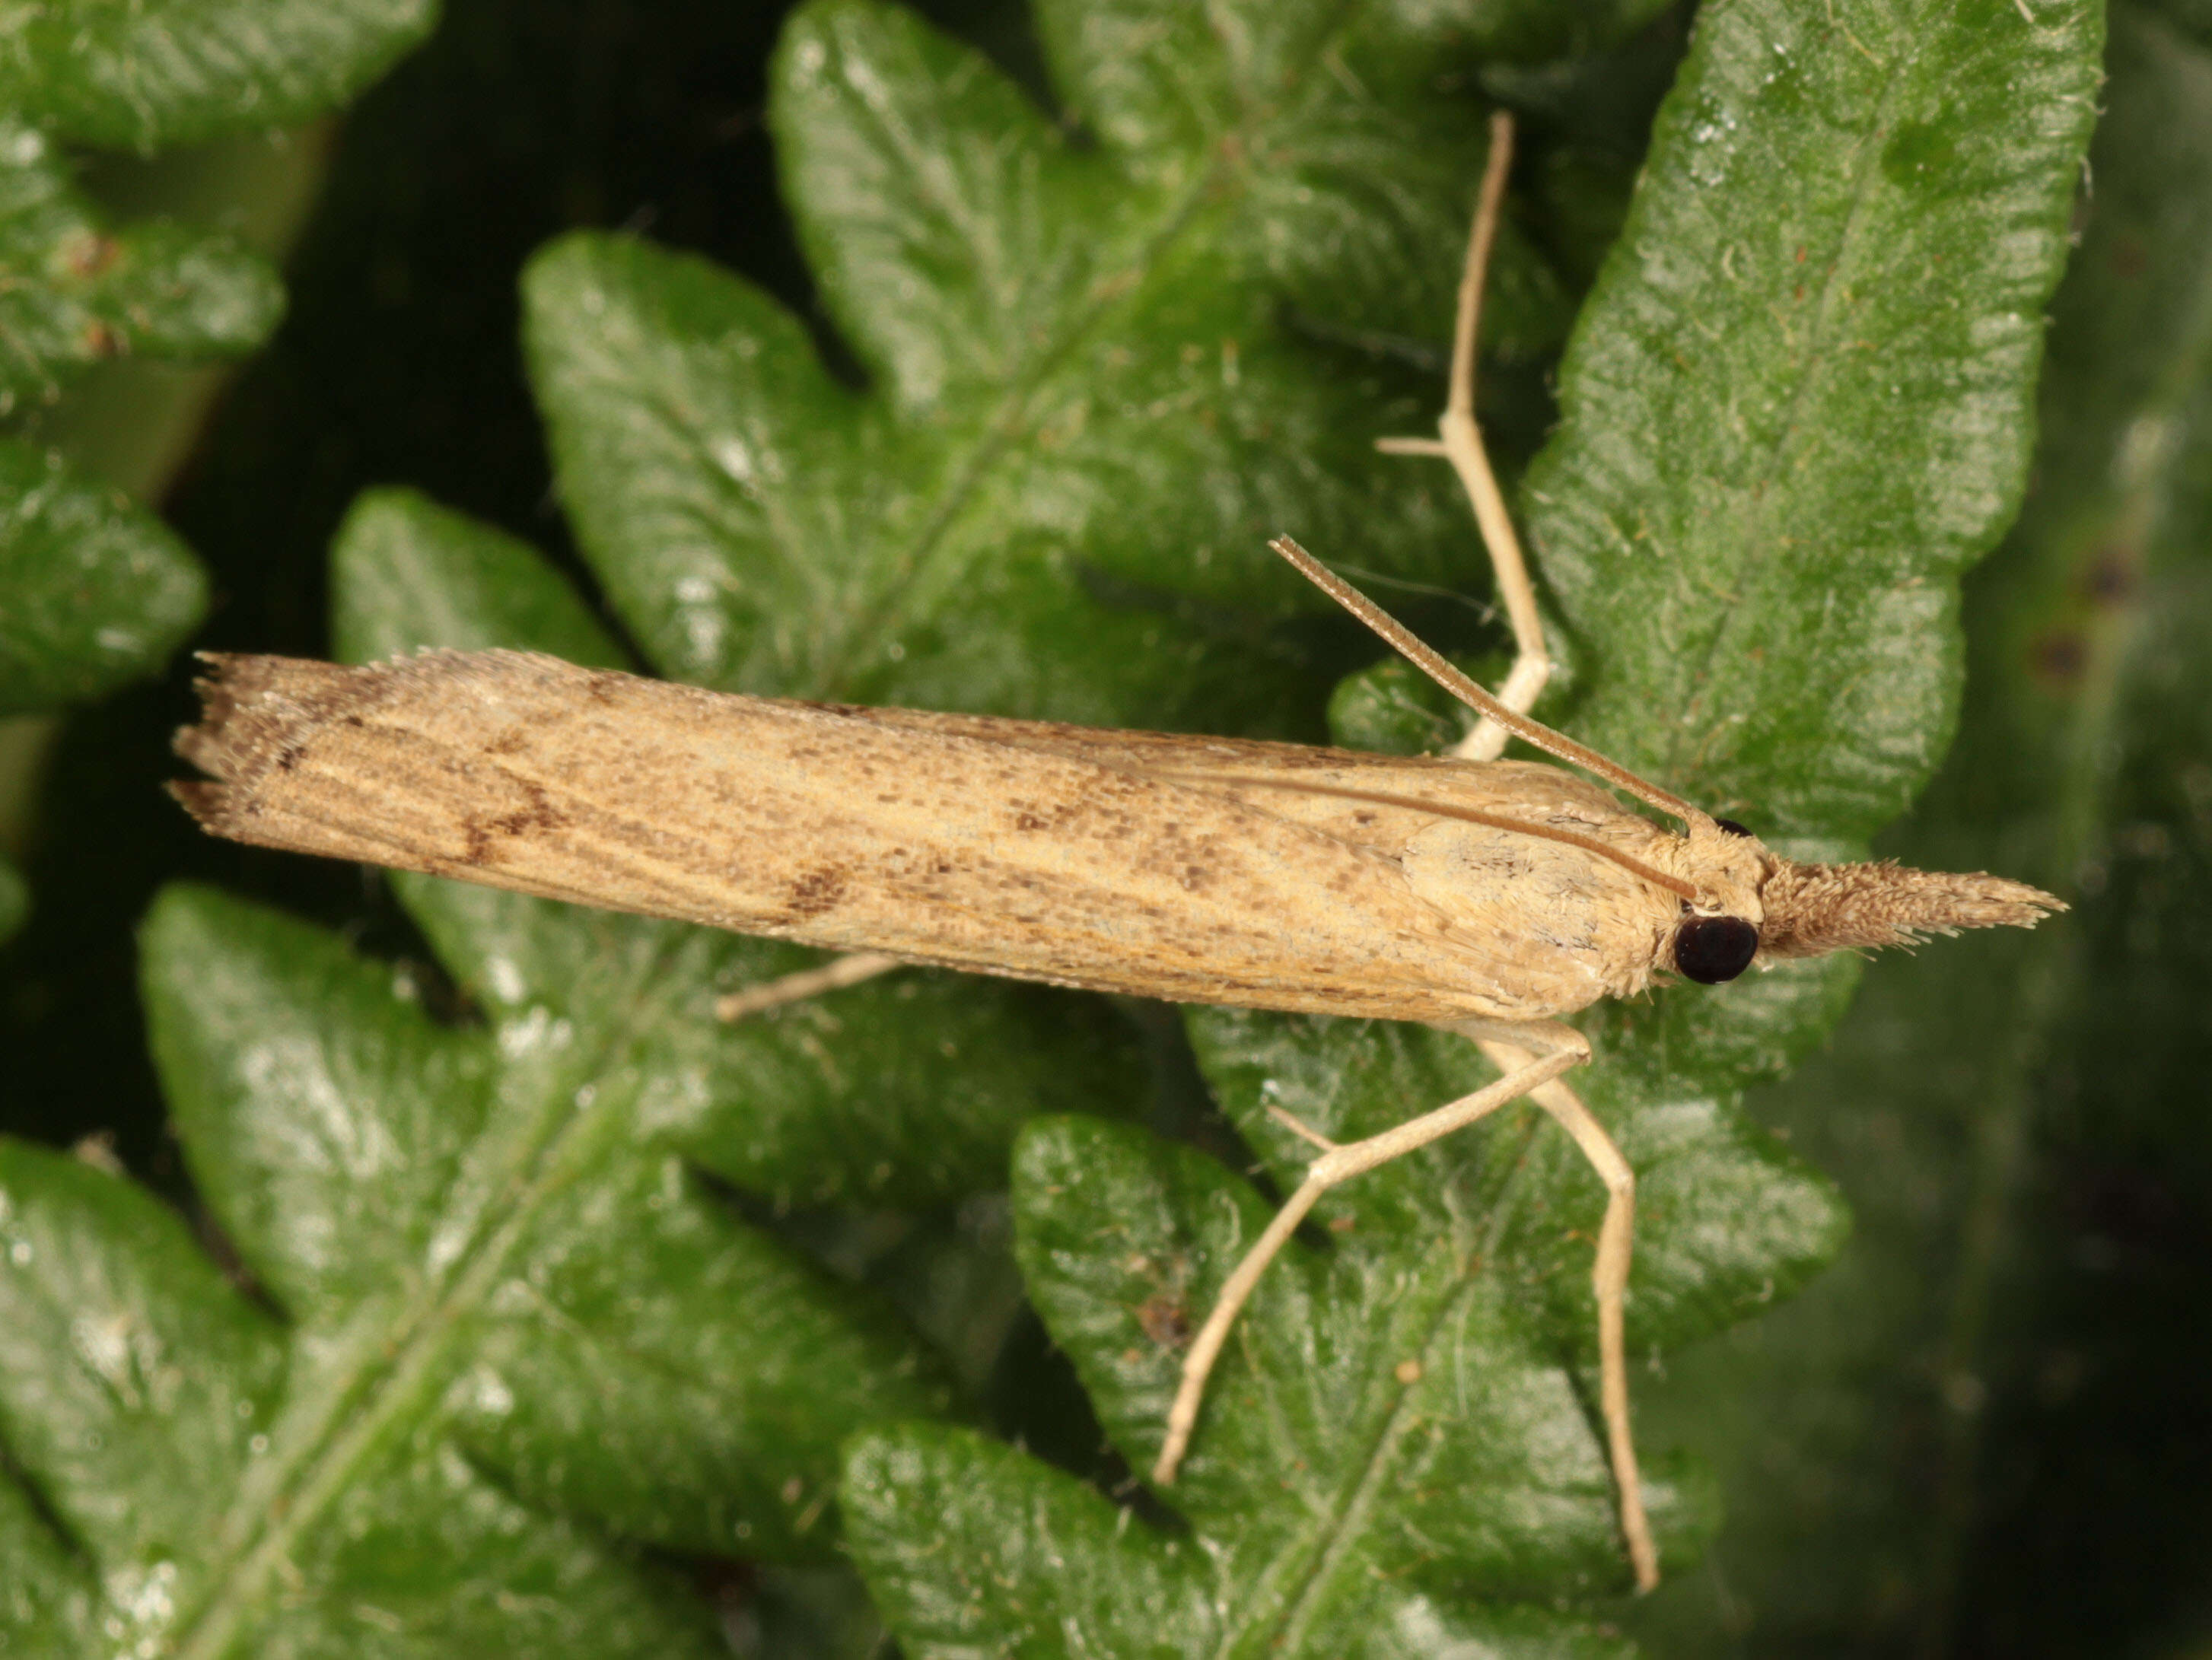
(2059, 659)
(2111, 579)
(1163, 1318)
(90, 255)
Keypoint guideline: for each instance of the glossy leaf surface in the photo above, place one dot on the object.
(502, 1332)
(1399, 1436)
(2018, 1131)
(95, 591)
(175, 71)
(1084, 413)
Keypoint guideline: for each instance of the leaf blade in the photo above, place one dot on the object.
(99, 592)
(144, 76)
(1793, 492)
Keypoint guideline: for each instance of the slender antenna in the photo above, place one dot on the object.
(1590, 844)
(1431, 662)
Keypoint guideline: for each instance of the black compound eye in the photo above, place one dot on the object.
(1732, 827)
(1711, 950)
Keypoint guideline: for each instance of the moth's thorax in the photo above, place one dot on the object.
(1584, 926)
(1727, 869)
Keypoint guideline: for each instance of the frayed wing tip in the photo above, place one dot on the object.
(210, 804)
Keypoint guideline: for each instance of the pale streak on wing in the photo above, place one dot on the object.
(990, 846)
(1533, 792)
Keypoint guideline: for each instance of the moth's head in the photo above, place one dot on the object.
(1720, 931)
(1754, 906)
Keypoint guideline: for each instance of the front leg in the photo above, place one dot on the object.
(1459, 442)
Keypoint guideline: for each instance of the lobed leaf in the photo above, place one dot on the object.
(1410, 1407)
(148, 75)
(973, 1548)
(1965, 1383)
(78, 293)
(1798, 404)
(502, 1306)
(92, 592)
(1084, 412)
(512, 1328)
(95, 592)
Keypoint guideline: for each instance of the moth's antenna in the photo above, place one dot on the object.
(1589, 844)
(1430, 662)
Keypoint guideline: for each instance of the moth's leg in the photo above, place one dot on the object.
(1304, 1131)
(1561, 1047)
(1459, 442)
(1609, 1279)
(832, 976)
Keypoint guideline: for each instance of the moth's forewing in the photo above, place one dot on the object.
(1120, 861)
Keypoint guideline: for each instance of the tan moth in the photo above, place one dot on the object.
(1483, 896)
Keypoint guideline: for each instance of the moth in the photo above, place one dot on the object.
(1485, 896)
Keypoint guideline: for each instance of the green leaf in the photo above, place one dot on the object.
(15, 900)
(95, 592)
(1406, 1384)
(503, 1303)
(1761, 607)
(512, 1321)
(78, 293)
(1085, 412)
(974, 1548)
(406, 573)
(1799, 403)
(45, 1596)
(1993, 1345)
(147, 76)
(841, 1098)
(1511, 31)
